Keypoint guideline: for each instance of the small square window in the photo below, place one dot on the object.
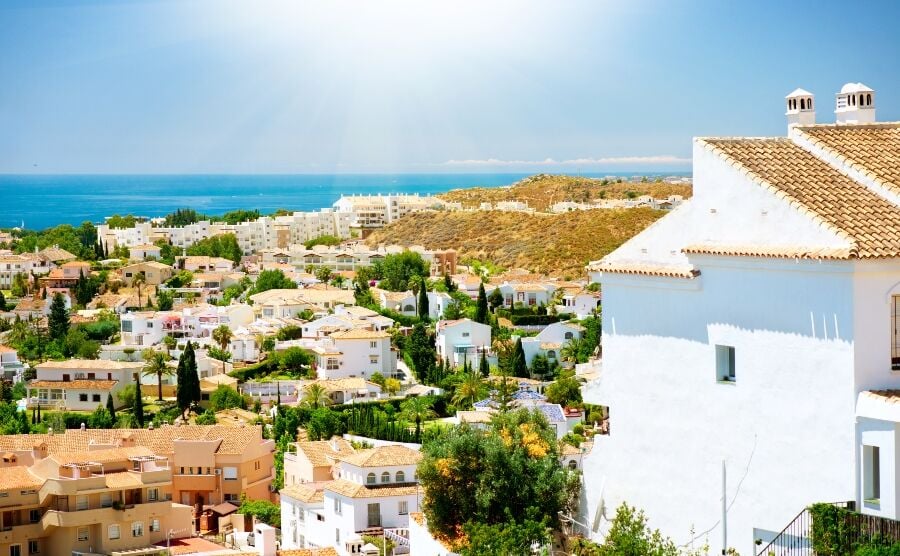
(82, 397)
(155, 526)
(114, 532)
(95, 397)
(83, 533)
(137, 529)
(725, 371)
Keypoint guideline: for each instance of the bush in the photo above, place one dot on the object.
(262, 510)
(208, 417)
(533, 320)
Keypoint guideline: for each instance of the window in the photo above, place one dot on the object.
(401, 477)
(374, 515)
(385, 477)
(34, 516)
(403, 508)
(725, 364)
(337, 536)
(137, 529)
(871, 474)
(465, 334)
(81, 503)
(373, 359)
(373, 344)
(82, 397)
(95, 398)
(33, 547)
(320, 517)
(370, 479)
(83, 533)
(573, 465)
(551, 354)
(114, 532)
(15, 550)
(568, 335)
(155, 525)
(229, 473)
(231, 497)
(895, 332)
(105, 500)
(152, 494)
(337, 506)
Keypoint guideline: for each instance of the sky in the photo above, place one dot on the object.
(289, 86)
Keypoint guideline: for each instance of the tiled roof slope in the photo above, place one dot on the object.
(868, 221)
(873, 150)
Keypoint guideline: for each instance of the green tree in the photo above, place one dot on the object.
(323, 424)
(222, 336)
(208, 417)
(323, 240)
(564, 391)
(111, 407)
(377, 378)
(481, 306)
(391, 386)
(397, 271)
(418, 409)
(187, 392)
(421, 351)
(315, 396)
(2, 301)
(156, 364)
(19, 286)
(423, 300)
(629, 534)
(165, 300)
(540, 365)
(496, 299)
(483, 365)
(520, 367)
(127, 395)
(100, 419)
(504, 539)
(138, 408)
(263, 510)
(272, 280)
(225, 397)
(294, 361)
(471, 389)
(58, 321)
(222, 245)
(323, 274)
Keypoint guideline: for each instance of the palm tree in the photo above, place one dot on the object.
(156, 366)
(315, 396)
(470, 390)
(136, 282)
(572, 350)
(222, 336)
(417, 409)
(170, 343)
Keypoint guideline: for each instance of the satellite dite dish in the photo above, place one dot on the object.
(600, 513)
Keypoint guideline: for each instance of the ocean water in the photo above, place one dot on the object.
(41, 201)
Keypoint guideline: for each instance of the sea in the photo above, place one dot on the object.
(41, 201)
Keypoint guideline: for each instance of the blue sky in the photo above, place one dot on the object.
(222, 86)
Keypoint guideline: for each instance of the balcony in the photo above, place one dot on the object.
(82, 518)
(195, 482)
(21, 533)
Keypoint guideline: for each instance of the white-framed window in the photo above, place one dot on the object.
(403, 507)
(370, 479)
(385, 477)
(465, 334)
(114, 532)
(81, 503)
(895, 332)
(337, 506)
(725, 369)
(400, 477)
(373, 344)
(137, 529)
(155, 525)
(83, 533)
(15, 550)
(230, 473)
(231, 497)
(337, 536)
(373, 359)
(152, 494)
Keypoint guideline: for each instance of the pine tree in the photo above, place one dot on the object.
(138, 408)
(58, 322)
(423, 299)
(481, 306)
(520, 367)
(111, 407)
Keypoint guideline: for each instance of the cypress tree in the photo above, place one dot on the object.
(138, 408)
(423, 299)
(520, 368)
(181, 391)
(484, 367)
(58, 322)
(191, 369)
(481, 306)
(111, 407)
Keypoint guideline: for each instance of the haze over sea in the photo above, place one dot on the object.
(41, 201)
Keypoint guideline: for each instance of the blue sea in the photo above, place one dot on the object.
(41, 201)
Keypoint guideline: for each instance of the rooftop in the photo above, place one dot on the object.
(384, 456)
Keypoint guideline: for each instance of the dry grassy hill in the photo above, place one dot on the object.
(543, 190)
(559, 245)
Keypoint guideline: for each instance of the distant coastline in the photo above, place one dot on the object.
(41, 201)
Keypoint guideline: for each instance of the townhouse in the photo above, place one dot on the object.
(80, 384)
(462, 341)
(153, 273)
(355, 353)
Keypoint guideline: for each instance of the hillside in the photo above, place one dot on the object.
(542, 190)
(555, 244)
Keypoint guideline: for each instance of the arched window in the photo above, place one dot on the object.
(802, 104)
(551, 354)
(853, 100)
(809, 103)
(573, 464)
(568, 336)
(408, 308)
(370, 479)
(385, 477)
(401, 477)
(869, 99)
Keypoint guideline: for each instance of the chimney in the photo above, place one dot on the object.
(800, 109)
(855, 104)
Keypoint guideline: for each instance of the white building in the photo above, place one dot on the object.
(10, 366)
(550, 341)
(370, 488)
(745, 326)
(80, 384)
(355, 353)
(461, 341)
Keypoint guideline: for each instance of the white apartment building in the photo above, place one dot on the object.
(374, 211)
(756, 324)
(27, 264)
(461, 341)
(355, 353)
(374, 488)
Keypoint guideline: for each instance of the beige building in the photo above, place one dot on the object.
(107, 501)
(155, 273)
(314, 460)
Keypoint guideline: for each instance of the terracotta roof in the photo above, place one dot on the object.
(56, 253)
(344, 384)
(384, 456)
(318, 452)
(305, 492)
(89, 364)
(74, 384)
(645, 269)
(359, 334)
(566, 449)
(123, 479)
(356, 490)
(873, 149)
(101, 456)
(326, 551)
(18, 477)
(783, 252)
(870, 223)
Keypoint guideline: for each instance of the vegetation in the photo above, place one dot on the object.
(399, 271)
(272, 280)
(558, 245)
(188, 389)
(223, 245)
(565, 391)
(323, 240)
(157, 365)
(262, 510)
(208, 417)
(542, 190)
(225, 397)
